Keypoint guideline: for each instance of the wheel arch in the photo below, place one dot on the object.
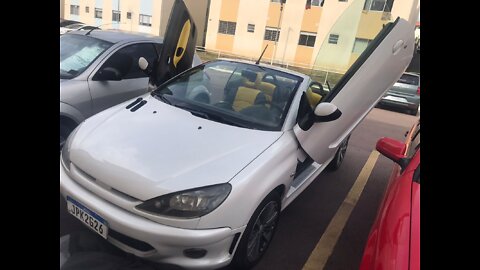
(65, 120)
(280, 189)
(70, 114)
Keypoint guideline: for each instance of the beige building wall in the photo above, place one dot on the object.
(319, 20)
(160, 14)
(130, 24)
(256, 16)
(62, 9)
(228, 12)
(212, 24)
(290, 31)
(107, 13)
(311, 19)
(310, 23)
(332, 10)
(370, 24)
(273, 14)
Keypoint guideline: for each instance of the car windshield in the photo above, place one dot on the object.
(239, 94)
(78, 52)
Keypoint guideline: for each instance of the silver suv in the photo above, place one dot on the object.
(404, 94)
(99, 69)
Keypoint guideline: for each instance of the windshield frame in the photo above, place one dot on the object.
(69, 35)
(232, 119)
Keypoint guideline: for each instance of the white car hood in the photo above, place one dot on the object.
(146, 154)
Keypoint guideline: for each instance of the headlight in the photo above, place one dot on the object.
(189, 203)
(66, 149)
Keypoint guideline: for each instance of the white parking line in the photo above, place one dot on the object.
(319, 256)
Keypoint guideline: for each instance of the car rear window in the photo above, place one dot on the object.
(409, 79)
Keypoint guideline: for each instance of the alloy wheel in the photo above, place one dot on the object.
(262, 231)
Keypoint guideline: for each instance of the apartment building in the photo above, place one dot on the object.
(146, 16)
(296, 29)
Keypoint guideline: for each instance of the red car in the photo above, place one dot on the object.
(394, 240)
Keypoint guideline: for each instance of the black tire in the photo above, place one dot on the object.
(261, 227)
(339, 156)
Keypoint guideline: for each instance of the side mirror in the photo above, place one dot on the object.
(393, 150)
(326, 112)
(144, 65)
(108, 74)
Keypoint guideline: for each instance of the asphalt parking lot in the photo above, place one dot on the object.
(313, 233)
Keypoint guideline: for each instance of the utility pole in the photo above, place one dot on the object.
(278, 33)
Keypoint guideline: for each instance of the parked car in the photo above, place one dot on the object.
(100, 70)
(394, 240)
(404, 94)
(199, 180)
(76, 27)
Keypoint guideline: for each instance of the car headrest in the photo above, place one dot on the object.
(250, 75)
(246, 96)
(267, 87)
(312, 97)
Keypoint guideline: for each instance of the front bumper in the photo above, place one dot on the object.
(168, 242)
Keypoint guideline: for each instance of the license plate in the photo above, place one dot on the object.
(398, 99)
(87, 216)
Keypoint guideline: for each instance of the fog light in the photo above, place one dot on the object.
(195, 253)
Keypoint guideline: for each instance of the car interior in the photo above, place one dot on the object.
(246, 91)
(258, 94)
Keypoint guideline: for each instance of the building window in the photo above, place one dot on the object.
(278, 1)
(317, 3)
(360, 45)
(251, 28)
(145, 20)
(87, 9)
(98, 13)
(129, 15)
(115, 15)
(307, 39)
(342, 0)
(272, 34)
(228, 28)
(74, 9)
(378, 5)
(333, 38)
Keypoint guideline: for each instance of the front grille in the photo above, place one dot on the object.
(134, 243)
(104, 186)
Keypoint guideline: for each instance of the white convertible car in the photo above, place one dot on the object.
(199, 180)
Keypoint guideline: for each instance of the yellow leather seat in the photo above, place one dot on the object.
(248, 83)
(313, 98)
(268, 89)
(246, 97)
